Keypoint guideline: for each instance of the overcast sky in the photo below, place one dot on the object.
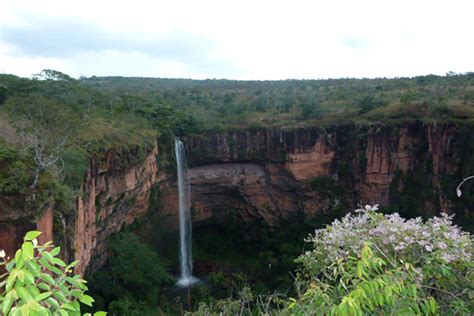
(237, 39)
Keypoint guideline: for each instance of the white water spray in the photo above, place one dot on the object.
(185, 228)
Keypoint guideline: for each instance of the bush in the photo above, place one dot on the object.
(432, 259)
(38, 282)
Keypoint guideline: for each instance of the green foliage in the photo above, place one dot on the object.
(223, 104)
(136, 272)
(39, 283)
(365, 285)
(257, 256)
(327, 187)
(245, 302)
(15, 170)
(409, 191)
(76, 163)
(3, 94)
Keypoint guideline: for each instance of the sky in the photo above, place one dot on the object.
(245, 40)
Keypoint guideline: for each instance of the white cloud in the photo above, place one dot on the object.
(239, 39)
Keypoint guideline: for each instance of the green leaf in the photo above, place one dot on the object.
(72, 264)
(17, 255)
(7, 303)
(433, 305)
(61, 297)
(100, 314)
(55, 251)
(29, 278)
(23, 293)
(32, 235)
(28, 250)
(48, 266)
(86, 299)
(44, 286)
(77, 293)
(34, 268)
(69, 307)
(21, 275)
(63, 312)
(53, 302)
(43, 296)
(48, 279)
(424, 308)
(42, 311)
(59, 262)
(25, 310)
(11, 280)
(34, 292)
(48, 256)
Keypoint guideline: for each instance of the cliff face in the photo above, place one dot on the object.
(115, 192)
(266, 174)
(272, 173)
(12, 233)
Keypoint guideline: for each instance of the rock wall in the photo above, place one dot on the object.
(272, 173)
(115, 192)
(12, 233)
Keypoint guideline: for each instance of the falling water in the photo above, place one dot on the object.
(185, 229)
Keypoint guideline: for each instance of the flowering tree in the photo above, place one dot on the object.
(418, 267)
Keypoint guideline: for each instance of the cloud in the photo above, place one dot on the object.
(356, 42)
(64, 38)
(242, 40)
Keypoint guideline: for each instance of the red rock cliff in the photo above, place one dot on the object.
(115, 193)
(272, 173)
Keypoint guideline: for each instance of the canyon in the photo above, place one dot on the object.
(264, 174)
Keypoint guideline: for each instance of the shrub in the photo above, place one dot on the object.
(38, 282)
(432, 259)
(133, 275)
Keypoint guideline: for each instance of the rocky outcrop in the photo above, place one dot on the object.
(273, 173)
(115, 192)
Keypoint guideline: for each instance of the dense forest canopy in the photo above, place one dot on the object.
(131, 108)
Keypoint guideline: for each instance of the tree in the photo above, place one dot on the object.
(44, 127)
(3, 94)
(50, 74)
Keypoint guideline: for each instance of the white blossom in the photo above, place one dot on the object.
(437, 237)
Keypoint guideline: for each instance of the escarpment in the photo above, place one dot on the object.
(266, 174)
(273, 173)
(115, 192)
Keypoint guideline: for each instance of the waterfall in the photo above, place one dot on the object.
(185, 223)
